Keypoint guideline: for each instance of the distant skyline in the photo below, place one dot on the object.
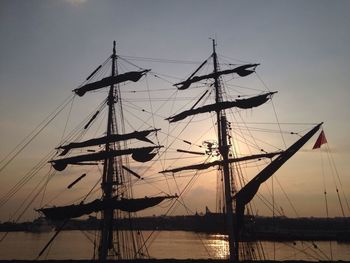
(48, 48)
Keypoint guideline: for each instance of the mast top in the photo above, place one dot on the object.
(114, 55)
(214, 43)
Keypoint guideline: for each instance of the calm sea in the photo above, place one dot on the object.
(167, 244)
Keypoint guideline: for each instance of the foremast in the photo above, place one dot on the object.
(224, 151)
(106, 240)
(116, 201)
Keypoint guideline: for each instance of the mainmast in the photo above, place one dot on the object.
(106, 242)
(234, 213)
(224, 151)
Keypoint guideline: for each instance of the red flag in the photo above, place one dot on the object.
(320, 140)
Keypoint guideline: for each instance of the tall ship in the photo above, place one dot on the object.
(143, 156)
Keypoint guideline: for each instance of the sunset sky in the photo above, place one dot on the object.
(49, 47)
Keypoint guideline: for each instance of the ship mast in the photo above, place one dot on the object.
(106, 241)
(224, 151)
(234, 215)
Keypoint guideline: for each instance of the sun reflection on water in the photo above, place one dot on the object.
(218, 246)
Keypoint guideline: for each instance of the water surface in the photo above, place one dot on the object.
(165, 244)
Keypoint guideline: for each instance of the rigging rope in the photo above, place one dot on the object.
(274, 109)
(28, 139)
(335, 175)
(68, 117)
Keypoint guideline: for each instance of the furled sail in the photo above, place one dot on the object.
(61, 164)
(246, 194)
(239, 103)
(140, 135)
(143, 155)
(127, 205)
(204, 166)
(105, 82)
(242, 71)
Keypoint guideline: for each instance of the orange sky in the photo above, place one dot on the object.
(303, 47)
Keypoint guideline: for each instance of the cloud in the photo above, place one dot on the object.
(76, 2)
